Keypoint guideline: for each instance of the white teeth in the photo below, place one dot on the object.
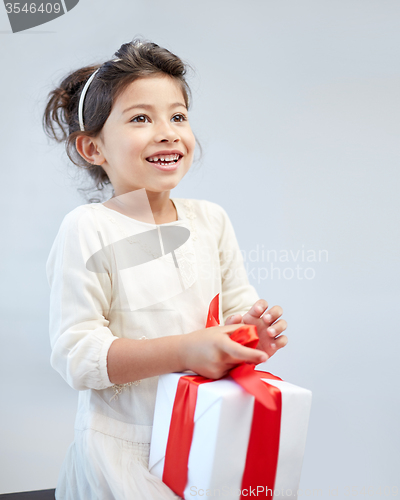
(164, 158)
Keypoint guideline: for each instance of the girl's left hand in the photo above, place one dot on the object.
(268, 328)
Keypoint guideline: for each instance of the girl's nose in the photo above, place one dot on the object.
(166, 132)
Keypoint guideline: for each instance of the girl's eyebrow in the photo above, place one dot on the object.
(149, 106)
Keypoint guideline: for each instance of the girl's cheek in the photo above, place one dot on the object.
(192, 141)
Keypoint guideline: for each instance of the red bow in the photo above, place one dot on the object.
(262, 451)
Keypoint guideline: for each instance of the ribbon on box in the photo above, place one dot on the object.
(263, 447)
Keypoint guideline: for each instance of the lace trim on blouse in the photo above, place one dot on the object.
(118, 388)
(191, 215)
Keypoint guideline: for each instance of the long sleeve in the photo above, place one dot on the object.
(238, 296)
(79, 304)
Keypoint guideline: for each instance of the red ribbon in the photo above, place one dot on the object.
(263, 447)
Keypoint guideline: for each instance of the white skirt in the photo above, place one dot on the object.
(102, 467)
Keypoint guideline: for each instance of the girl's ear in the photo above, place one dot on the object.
(89, 149)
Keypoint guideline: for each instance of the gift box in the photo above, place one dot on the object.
(242, 435)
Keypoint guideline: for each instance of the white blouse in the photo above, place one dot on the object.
(90, 309)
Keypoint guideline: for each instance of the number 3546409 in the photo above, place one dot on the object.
(32, 8)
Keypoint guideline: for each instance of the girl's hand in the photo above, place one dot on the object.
(268, 328)
(211, 353)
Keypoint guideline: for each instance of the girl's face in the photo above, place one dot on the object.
(146, 142)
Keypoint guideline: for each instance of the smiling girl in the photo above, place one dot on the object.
(115, 327)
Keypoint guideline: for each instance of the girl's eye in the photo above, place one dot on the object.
(144, 119)
(140, 119)
(180, 118)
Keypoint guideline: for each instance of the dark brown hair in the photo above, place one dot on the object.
(138, 59)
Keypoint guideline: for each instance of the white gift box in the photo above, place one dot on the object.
(222, 425)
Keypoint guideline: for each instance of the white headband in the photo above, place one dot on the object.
(82, 97)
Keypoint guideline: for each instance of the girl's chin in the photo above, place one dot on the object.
(163, 185)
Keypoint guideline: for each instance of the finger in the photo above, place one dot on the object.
(277, 328)
(234, 319)
(257, 309)
(272, 315)
(279, 342)
(246, 354)
(228, 329)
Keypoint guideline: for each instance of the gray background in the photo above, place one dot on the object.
(296, 103)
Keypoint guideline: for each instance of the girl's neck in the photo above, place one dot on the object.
(145, 206)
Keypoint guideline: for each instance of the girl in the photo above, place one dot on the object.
(120, 313)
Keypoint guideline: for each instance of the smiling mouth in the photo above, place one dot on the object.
(165, 160)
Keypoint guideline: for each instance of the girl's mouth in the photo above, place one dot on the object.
(165, 162)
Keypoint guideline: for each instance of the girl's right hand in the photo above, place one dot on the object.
(211, 353)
